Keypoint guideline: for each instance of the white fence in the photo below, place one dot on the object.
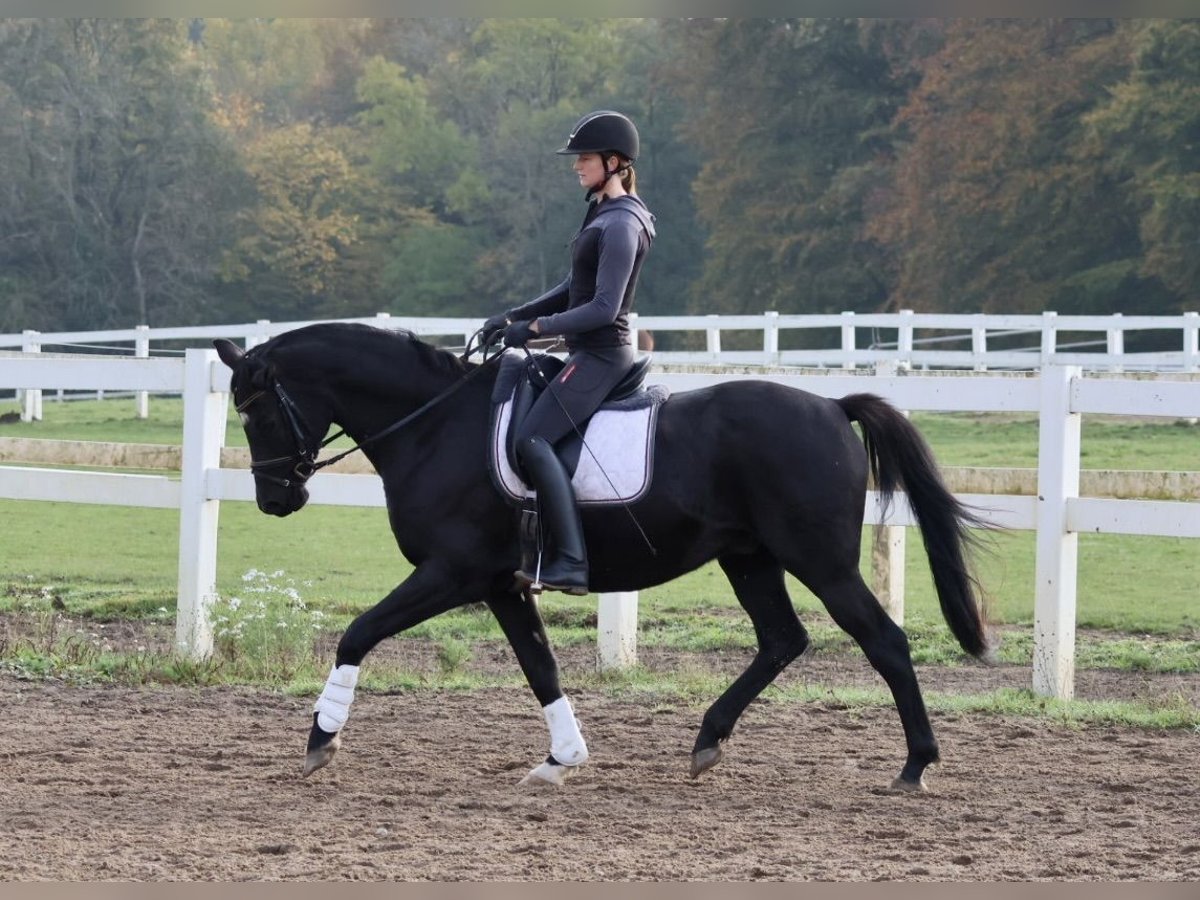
(847, 340)
(1059, 395)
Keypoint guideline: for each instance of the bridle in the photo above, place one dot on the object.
(303, 460)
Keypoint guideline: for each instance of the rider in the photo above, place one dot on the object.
(590, 308)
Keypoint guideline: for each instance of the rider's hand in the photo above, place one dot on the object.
(493, 328)
(518, 334)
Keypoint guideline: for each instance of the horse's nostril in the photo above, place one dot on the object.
(273, 507)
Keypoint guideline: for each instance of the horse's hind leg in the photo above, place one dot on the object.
(757, 579)
(857, 611)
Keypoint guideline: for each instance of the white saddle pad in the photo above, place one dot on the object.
(615, 462)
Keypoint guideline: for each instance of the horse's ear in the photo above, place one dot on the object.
(231, 354)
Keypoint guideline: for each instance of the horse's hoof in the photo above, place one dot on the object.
(902, 785)
(320, 757)
(547, 774)
(703, 760)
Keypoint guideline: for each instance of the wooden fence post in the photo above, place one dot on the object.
(616, 630)
(141, 350)
(904, 339)
(979, 342)
(204, 416)
(1057, 548)
(1115, 345)
(1049, 337)
(771, 338)
(1191, 342)
(259, 336)
(31, 398)
(848, 340)
(712, 338)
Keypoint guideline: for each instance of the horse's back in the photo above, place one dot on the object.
(761, 435)
(754, 410)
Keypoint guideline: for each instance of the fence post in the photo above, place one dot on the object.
(979, 342)
(1049, 336)
(1057, 548)
(771, 338)
(848, 338)
(713, 339)
(616, 630)
(141, 350)
(887, 546)
(258, 337)
(203, 436)
(1116, 343)
(904, 339)
(1191, 342)
(633, 331)
(31, 398)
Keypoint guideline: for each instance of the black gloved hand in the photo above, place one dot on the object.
(518, 334)
(493, 327)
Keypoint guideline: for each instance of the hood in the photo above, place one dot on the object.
(631, 204)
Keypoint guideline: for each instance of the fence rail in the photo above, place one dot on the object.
(1058, 394)
(843, 340)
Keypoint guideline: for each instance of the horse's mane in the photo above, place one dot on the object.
(390, 343)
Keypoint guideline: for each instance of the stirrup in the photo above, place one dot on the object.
(536, 586)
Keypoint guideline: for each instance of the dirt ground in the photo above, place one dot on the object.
(113, 783)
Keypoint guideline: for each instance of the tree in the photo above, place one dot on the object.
(995, 203)
(116, 183)
(293, 237)
(1148, 136)
(426, 173)
(788, 118)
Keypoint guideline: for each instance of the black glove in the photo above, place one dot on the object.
(518, 334)
(493, 327)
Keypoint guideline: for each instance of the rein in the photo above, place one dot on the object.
(306, 464)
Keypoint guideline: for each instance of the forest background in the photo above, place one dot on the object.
(202, 171)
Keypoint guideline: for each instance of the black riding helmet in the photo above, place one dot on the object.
(603, 131)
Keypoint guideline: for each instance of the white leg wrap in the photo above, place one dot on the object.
(333, 706)
(566, 741)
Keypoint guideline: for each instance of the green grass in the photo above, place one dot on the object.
(109, 420)
(1107, 442)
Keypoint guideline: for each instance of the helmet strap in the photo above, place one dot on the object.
(621, 167)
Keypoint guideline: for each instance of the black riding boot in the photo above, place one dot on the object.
(566, 569)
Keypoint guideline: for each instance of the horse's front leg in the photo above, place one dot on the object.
(431, 589)
(522, 625)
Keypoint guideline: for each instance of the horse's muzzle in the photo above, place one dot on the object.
(282, 502)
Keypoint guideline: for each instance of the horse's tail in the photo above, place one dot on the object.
(900, 458)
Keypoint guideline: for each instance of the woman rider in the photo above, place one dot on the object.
(590, 309)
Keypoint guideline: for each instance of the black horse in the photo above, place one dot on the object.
(763, 478)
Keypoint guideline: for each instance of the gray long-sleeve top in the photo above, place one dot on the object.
(590, 307)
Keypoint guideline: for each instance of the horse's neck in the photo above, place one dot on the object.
(381, 389)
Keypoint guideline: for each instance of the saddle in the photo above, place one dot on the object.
(619, 434)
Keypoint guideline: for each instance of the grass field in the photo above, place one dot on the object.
(110, 564)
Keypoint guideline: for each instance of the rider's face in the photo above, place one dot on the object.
(589, 167)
